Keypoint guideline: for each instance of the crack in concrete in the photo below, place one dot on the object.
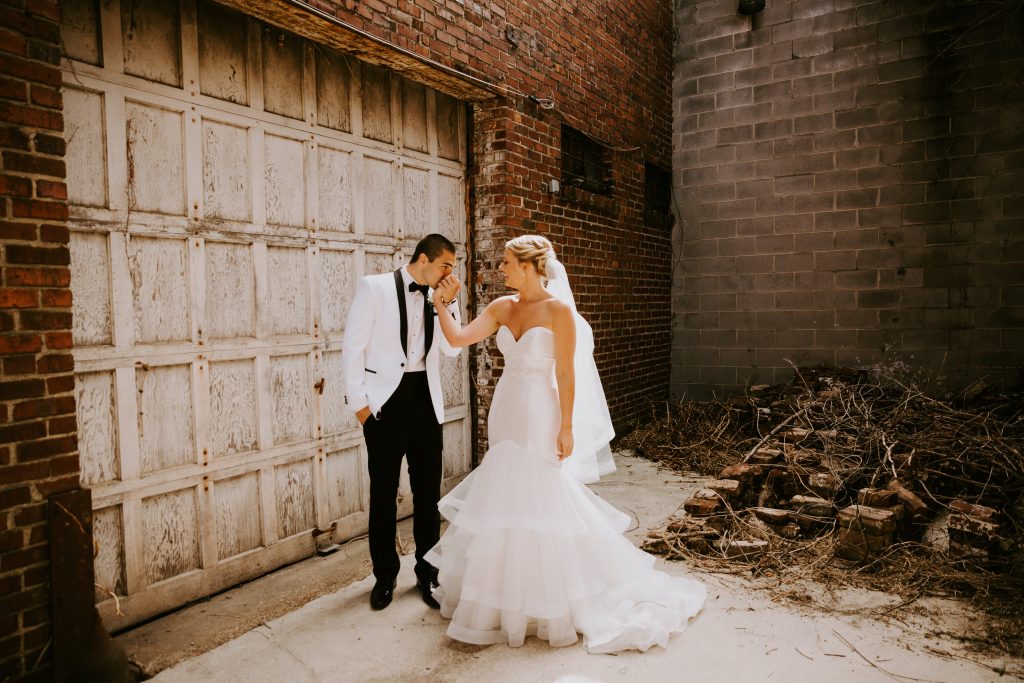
(263, 631)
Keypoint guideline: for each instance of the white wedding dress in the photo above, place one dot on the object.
(530, 550)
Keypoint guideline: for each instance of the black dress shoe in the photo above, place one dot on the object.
(383, 591)
(427, 588)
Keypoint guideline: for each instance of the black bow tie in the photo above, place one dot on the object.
(422, 289)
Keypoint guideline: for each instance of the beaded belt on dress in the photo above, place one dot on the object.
(529, 366)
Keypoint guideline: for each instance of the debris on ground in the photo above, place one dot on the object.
(853, 481)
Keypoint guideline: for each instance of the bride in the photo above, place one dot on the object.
(529, 549)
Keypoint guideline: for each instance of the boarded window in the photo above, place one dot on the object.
(585, 162)
(657, 196)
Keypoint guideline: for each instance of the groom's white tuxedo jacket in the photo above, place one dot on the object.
(373, 357)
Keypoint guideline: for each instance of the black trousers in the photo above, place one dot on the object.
(405, 426)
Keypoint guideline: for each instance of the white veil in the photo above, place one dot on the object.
(591, 423)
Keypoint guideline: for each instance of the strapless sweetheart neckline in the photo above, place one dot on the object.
(525, 332)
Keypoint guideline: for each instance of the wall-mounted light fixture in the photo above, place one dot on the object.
(749, 7)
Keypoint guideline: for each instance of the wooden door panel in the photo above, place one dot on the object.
(285, 188)
(156, 158)
(450, 137)
(294, 496)
(230, 290)
(379, 196)
(86, 141)
(376, 103)
(97, 427)
(335, 189)
(108, 535)
(233, 407)
(337, 286)
(290, 389)
(238, 514)
(337, 418)
(170, 524)
(414, 116)
(92, 321)
(333, 83)
(223, 53)
(418, 220)
(227, 192)
(282, 73)
(166, 419)
(456, 450)
(451, 207)
(344, 479)
(79, 31)
(151, 41)
(288, 280)
(159, 274)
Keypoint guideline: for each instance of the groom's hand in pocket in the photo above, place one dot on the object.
(363, 414)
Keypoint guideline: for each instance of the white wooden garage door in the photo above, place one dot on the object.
(229, 182)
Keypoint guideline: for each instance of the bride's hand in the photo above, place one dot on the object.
(447, 289)
(564, 443)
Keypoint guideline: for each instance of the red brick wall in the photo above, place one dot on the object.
(607, 68)
(849, 176)
(38, 450)
(618, 265)
(607, 65)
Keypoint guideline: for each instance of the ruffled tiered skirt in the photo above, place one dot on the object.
(531, 551)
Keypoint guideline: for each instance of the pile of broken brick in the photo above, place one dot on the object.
(837, 469)
(790, 502)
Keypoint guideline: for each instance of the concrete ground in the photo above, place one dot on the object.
(263, 631)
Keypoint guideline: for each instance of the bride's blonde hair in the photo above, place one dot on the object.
(533, 249)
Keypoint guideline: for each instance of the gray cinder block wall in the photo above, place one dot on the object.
(849, 184)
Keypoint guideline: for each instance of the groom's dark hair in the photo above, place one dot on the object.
(433, 245)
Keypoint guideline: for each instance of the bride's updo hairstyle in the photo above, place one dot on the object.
(533, 249)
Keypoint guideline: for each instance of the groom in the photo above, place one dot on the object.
(392, 382)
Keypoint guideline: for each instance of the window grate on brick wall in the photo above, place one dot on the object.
(585, 162)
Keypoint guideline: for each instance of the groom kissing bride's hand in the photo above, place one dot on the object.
(445, 291)
(517, 557)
